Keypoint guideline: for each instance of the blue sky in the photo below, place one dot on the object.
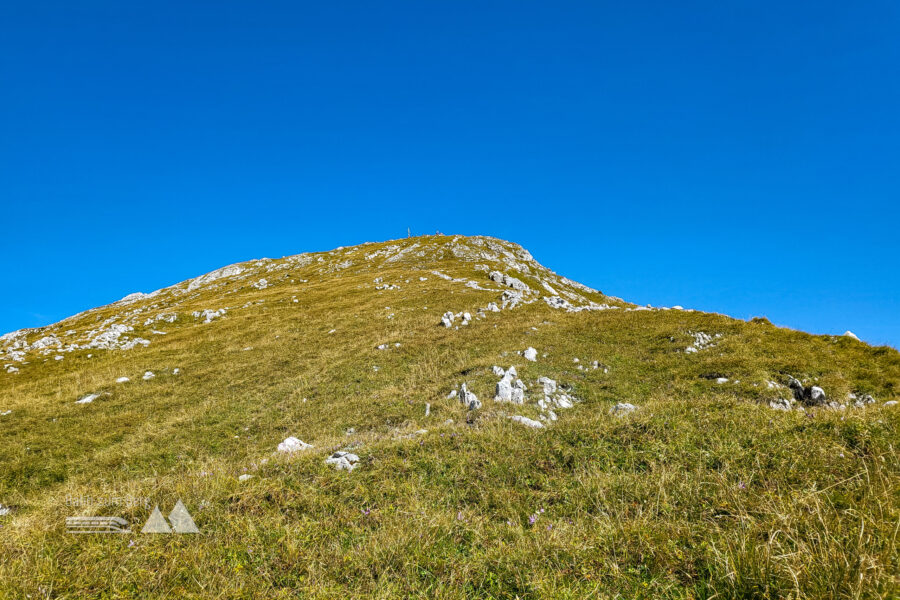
(738, 157)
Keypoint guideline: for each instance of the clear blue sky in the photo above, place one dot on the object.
(740, 157)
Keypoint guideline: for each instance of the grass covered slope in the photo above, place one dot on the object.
(703, 491)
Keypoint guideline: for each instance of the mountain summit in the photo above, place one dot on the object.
(443, 416)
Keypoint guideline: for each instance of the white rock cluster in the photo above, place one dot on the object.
(342, 461)
(510, 388)
(702, 341)
(208, 315)
(449, 318)
(512, 282)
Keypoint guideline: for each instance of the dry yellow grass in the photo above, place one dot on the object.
(703, 492)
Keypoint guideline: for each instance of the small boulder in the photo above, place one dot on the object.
(292, 444)
(342, 461)
(780, 404)
(468, 399)
(87, 399)
(527, 422)
(530, 354)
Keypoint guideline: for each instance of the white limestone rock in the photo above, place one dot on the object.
(208, 315)
(87, 399)
(510, 388)
(292, 444)
(530, 354)
(527, 422)
(342, 461)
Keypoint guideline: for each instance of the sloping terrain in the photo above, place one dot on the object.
(509, 433)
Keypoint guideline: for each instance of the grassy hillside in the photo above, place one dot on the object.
(703, 491)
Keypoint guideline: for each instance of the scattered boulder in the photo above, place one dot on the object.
(860, 401)
(510, 388)
(851, 335)
(245, 477)
(468, 399)
(781, 404)
(208, 315)
(530, 354)
(527, 422)
(123, 380)
(622, 408)
(447, 319)
(148, 375)
(87, 399)
(890, 403)
(342, 461)
(292, 444)
(807, 395)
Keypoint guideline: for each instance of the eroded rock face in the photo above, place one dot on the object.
(512, 282)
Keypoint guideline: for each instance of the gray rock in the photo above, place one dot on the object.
(549, 385)
(468, 399)
(780, 404)
(816, 396)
